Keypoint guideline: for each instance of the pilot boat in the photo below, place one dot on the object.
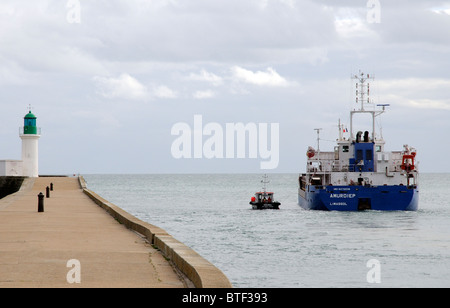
(264, 199)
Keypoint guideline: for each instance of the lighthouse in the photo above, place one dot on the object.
(30, 135)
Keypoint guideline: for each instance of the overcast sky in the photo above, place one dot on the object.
(109, 79)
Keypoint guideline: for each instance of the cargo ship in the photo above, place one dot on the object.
(359, 174)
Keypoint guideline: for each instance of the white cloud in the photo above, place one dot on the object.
(424, 93)
(352, 23)
(413, 84)
(264, 4)
(207, 77)
(268, 78)
(163, 91)
(204, 94)
(430, 104)
(444, 9)
(127, 87)
(124, 86)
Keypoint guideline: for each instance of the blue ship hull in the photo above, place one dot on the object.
(356, 198)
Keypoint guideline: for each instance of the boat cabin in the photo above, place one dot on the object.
(263, 197)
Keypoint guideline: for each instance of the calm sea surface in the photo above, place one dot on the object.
(291, 247)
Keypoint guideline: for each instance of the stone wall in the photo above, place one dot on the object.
(10, 185)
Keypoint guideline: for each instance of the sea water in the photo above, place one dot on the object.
(291, 247)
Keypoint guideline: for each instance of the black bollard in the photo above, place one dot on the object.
(47, 190)
(41, 202)
(51, 186)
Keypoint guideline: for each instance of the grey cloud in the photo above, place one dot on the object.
(221, 30)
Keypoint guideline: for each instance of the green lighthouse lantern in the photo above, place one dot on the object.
(30, 135)
(29, 125)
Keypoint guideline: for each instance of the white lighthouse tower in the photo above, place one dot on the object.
(30, 135)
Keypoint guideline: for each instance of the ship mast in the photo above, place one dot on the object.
(362, 89)
(318, 149)
(363, 97)
(265, 181)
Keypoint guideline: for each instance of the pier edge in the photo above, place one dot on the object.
(201, 272)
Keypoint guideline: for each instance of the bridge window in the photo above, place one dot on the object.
(369, 155)
(359, 155)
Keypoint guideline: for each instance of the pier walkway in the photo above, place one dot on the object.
(35, 247)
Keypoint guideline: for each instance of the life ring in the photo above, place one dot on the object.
(310, 152)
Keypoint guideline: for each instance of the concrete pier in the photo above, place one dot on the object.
(113, 248)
